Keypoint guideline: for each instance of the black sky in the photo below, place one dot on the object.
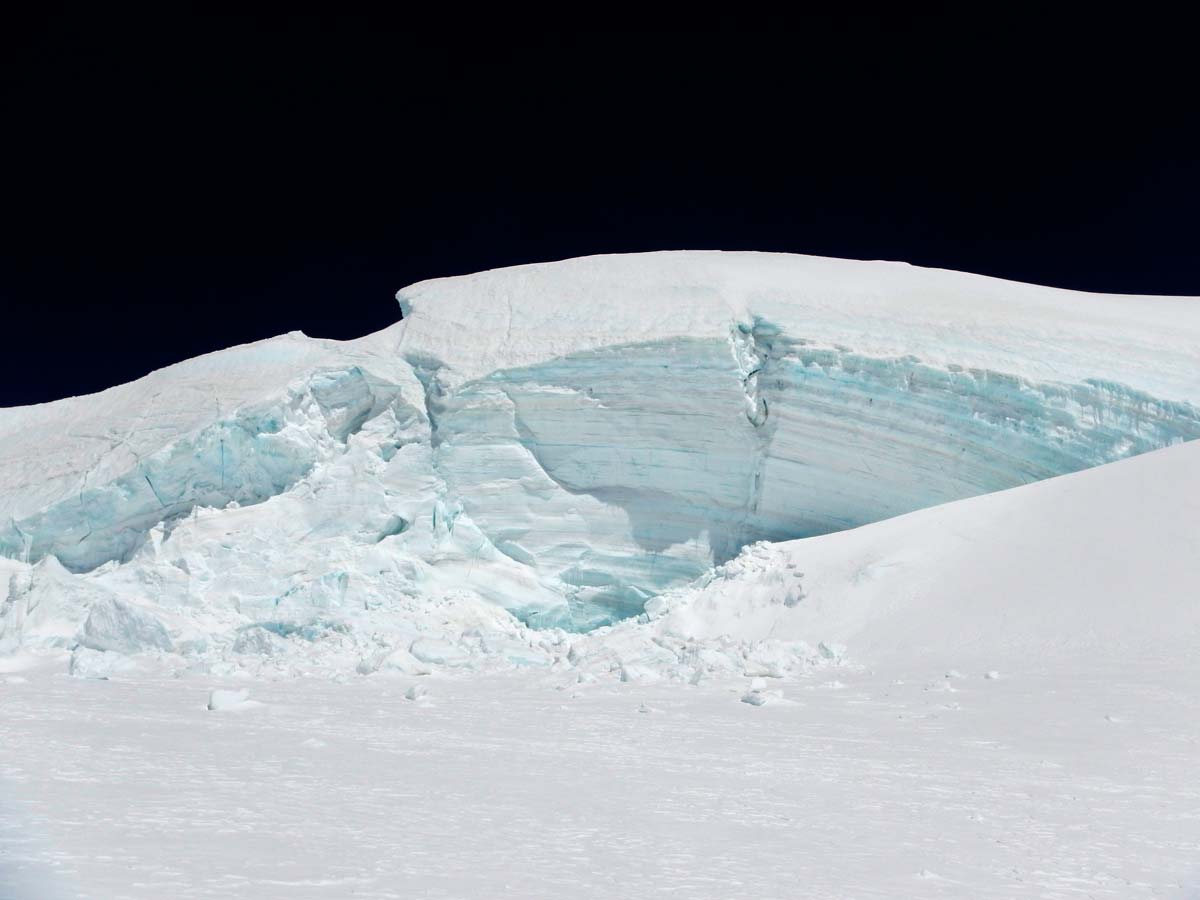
(174, 189)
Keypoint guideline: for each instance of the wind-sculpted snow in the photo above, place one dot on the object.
(544, 450)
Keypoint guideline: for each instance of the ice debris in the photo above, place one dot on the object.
(221, 699)
(98, 664)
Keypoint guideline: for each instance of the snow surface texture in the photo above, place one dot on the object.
(1054, 780)
(252, 582)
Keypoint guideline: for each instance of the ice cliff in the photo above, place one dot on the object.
(563, 442)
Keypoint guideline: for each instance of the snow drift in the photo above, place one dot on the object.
(1102, 563)
(552, 446)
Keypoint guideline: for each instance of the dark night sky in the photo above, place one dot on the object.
(169, 197)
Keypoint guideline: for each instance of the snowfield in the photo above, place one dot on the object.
(1054, 780)
(686, 573)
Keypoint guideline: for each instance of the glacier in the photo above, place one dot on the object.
(749, 570)
(557, 445)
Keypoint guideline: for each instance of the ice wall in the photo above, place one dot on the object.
(625, 470)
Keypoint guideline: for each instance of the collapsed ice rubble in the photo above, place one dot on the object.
(559, 444)
(255, 454)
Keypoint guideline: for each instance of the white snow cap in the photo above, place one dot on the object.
(526, 314)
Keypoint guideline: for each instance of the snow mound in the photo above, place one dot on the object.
(1099, 563)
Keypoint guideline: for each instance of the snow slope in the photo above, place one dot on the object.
(1099, 564)
(1055, 781)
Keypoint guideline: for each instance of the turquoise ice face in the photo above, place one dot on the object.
(626, 470)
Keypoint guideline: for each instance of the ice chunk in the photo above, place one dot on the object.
(221, 699)
(99, 664)
(397, 661)
(419, 694)
(635, 673)
(438, 651)
(762, 697)
(258, 641)
(123, 628)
